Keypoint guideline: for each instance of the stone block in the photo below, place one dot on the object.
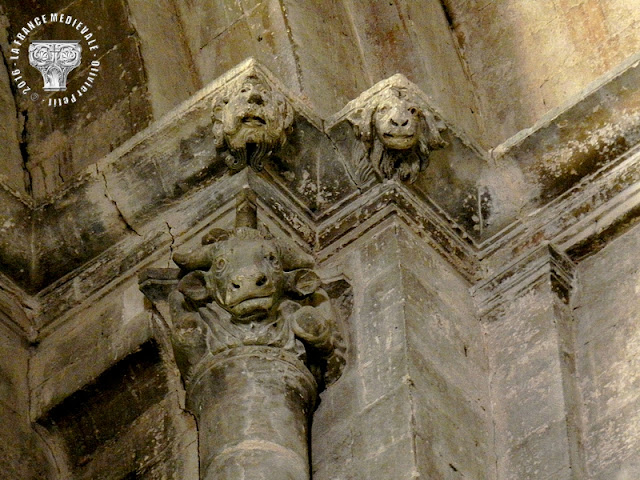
(159, 444)
(388, 422)
(259, 33)
(528, 394)
(448, 447)
(102, 411)
(539, 456)
(612, 440)
(438, 333)
(81, 350)
(396, 461)
(439, 395)
(609, 373)
(21, 454)
(322, 37)
(162, 43)
(12, 173)
(14, 361)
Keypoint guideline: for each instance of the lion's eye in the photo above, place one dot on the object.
(220, 264)
(413, 110)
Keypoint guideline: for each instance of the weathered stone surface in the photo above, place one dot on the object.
(393, 386)
(538, 54)
(162, 42)
(13, 173)
(114, 110)
(607, 340)
(536, 380)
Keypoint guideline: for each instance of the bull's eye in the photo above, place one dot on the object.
(413, 110)
(272, 259)
(220, 264)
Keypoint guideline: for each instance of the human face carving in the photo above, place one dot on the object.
(252, 116)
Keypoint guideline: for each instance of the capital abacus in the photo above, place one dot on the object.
(54, 18)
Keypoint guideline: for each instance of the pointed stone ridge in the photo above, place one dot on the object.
(396, 129)
(17, 310)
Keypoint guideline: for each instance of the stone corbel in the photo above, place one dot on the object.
(393, 131)
(255, 337)
(251, 121)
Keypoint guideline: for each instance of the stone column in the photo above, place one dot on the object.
(529, 341)
(253, 336)
(253, 406)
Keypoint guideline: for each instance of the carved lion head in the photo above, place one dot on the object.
(397, 135)
(250, 122)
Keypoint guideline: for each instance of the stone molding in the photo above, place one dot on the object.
(545, 264)
(175, 155)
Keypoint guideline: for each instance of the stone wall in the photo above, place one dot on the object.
(607, 346)
(23, 453)
(414, 399)
(491, 325)
(527, 58)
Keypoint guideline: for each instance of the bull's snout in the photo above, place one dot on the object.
(246, 285)
(248, 282)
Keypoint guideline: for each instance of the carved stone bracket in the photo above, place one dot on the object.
(255, 337)
(395, 129)
(251, 121)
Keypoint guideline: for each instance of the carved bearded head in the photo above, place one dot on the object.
(250, 122)
(397, 134)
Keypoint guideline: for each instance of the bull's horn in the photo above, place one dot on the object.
(246, 210)
(198, 258)
(292, 259)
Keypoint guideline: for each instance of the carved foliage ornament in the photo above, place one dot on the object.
(396, 132)
(251, 122)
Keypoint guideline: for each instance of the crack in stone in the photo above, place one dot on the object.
(294, 51)
(21, 118)
(108, 196)
(171, 245)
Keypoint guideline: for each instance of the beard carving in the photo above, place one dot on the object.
(250, 123)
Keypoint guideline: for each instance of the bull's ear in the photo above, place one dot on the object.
(215, 235)
(194, 287)
(292, 259)
(198, 258)
(302, 282)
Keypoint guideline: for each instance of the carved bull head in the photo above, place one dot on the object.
(245, 272)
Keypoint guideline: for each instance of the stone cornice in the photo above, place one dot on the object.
(165, 183)
(544, 264)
